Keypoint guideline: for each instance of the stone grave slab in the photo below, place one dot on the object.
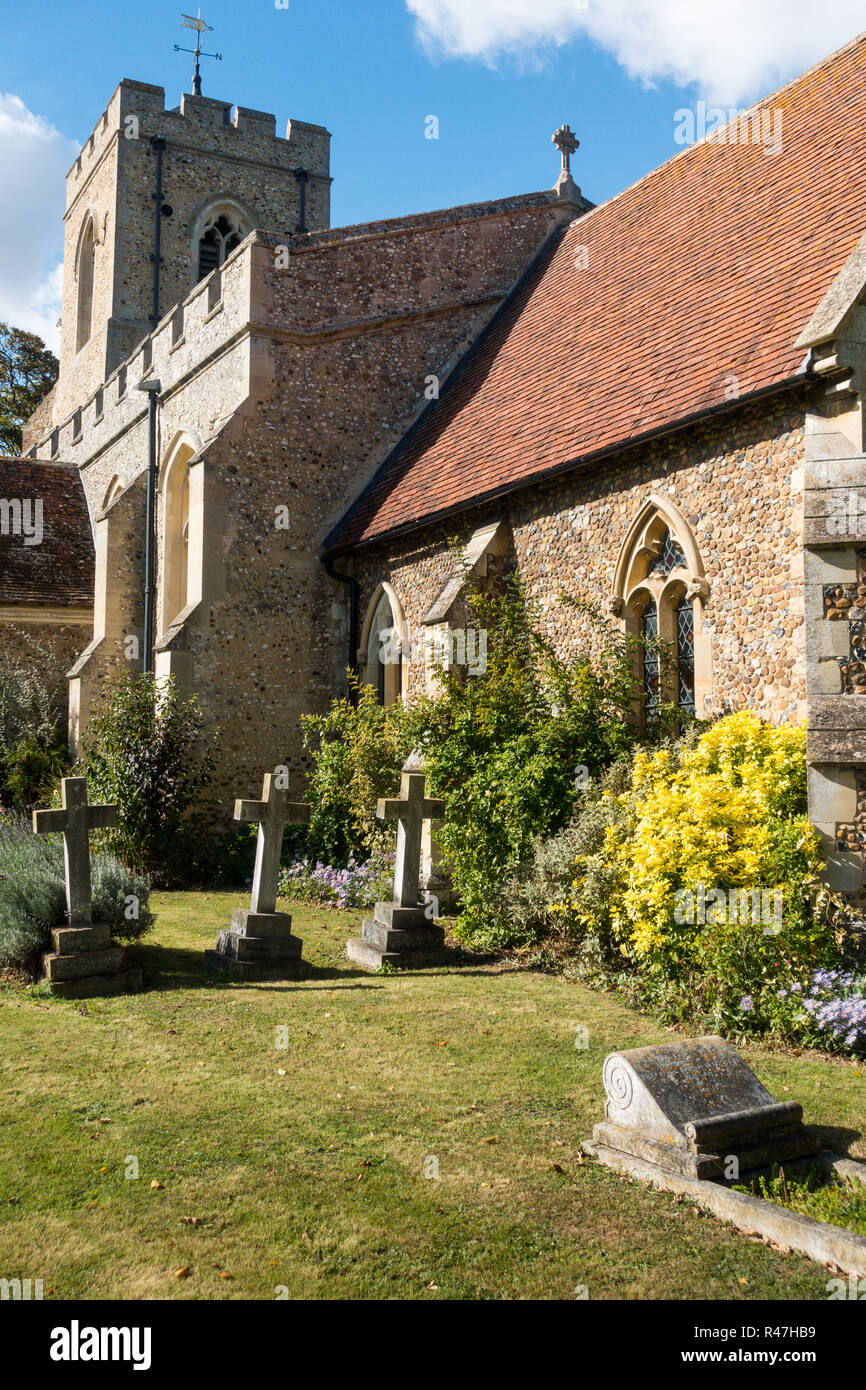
(401, 932)
(84, 962)
(259, 944)
(690, 1107)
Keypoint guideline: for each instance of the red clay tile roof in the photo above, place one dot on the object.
(59, 571)
(711, 265)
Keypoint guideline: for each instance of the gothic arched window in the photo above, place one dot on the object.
(175, 538)
(382, 652)
(85, 267)
(221, 233)
(660, 590)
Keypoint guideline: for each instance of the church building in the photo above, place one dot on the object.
(655, 404)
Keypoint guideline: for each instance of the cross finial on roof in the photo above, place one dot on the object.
(566, 142)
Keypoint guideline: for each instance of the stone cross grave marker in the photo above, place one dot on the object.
(273, 813)
(75, 821)
(400, 931)
(259, 944)
(410, 810)
(84, 961)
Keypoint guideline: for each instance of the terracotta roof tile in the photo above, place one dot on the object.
(707, 268)
(59, 570)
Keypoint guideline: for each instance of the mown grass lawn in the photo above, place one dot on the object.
(303, 1169)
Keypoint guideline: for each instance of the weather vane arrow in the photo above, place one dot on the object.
(198, 24)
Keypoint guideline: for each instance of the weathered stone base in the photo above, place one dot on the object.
(259, 946)
(84, 964)
(93, 986)
(750, 1152)
(828, 1245)
(402, 936)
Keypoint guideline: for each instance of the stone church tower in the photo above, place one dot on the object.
(156, 199)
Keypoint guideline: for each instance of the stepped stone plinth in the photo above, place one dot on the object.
(84, 962)
(401, 933)
(259, 944)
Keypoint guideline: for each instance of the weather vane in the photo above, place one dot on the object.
(196, 22)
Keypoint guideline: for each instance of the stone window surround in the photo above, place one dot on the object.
(84, 271)
(220, 205)
(394, 676)
(181, 560)
(634, 587)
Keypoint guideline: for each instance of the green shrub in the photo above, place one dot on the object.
(31, 722)
(33, 895)
(358, 750)
(147, 751)
(542, 900)
(509, 751)
(33, 770)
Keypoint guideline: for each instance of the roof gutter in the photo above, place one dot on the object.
(803, 374)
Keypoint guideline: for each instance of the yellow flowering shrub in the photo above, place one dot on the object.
(691, 878)
(710, 820)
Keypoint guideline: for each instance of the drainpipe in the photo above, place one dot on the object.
(158, 144)
(303, 178)
(354, 588)
(153, 388)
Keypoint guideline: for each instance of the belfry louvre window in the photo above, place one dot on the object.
(219, 238)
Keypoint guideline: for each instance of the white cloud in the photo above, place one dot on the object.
(733, 52)
(34, 158)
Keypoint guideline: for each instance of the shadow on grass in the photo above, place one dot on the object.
(175, 967)
(835, 1140)
(178, 967)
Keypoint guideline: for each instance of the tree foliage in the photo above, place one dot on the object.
(28, 370)
(358, 750)
(146, 749)
(510, 749)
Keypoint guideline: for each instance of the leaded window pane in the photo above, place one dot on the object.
(649, 632)
(686, 656)
(670, 557)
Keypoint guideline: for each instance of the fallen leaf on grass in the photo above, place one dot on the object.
(155, 1183)
(182, 1273)
(491, 1139)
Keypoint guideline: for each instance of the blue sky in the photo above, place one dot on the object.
(500, 75)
